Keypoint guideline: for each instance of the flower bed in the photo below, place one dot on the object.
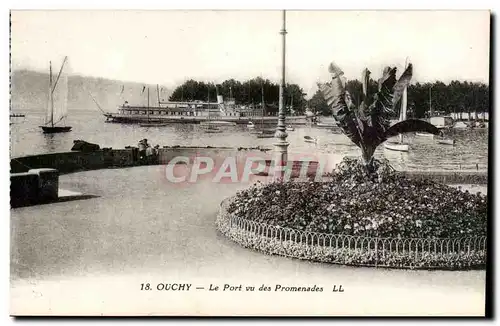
(386, 204)
(452, 254)
(383, 219)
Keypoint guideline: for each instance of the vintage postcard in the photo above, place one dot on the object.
(249, 163)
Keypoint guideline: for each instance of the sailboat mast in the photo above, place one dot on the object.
(403, 105)
(403, 111)
(51, 96)
(263, 105)
(430, 102)
(148, 104)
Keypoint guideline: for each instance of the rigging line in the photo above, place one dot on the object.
(60, 119)
(59, 75)
(95, 101)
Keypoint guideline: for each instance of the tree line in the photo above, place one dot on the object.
(444, 98)
(250, 92)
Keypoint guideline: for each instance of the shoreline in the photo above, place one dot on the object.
(75, 161)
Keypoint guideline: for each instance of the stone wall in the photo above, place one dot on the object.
(34, 187)
(69, 162)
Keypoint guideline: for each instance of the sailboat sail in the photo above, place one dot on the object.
(58, 102)
(49, 110)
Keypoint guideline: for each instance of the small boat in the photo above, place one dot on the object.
(309, 139)
(153, 124)
(419, 134)
(213, 131)
(217, 122)
(397, 147)
(324, 125)
(290, 128)
(56, 112)
(268, 131)
(480, 124)
(223, 123)
(250, 125)
(445, 141)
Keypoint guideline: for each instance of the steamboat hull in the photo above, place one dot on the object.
(138, 119)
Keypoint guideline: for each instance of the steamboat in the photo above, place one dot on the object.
(196, 112)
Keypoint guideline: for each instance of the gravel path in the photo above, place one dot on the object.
(91, 256)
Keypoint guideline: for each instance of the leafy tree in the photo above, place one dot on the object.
(249, 92)
(319, 105)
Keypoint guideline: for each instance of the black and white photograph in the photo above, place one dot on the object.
(249, 162)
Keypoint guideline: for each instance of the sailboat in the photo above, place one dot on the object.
(57, 102)
(400, 146)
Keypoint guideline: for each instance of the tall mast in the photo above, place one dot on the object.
(263, 104)
(404, 98)
(403, 111)
(51, 95)
(148, 104)
(430, 102)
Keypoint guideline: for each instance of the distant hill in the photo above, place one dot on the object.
(29, 91)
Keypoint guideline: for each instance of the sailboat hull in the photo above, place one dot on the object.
(446, 141)
(397, 147)
(55, 129)
(153, 124)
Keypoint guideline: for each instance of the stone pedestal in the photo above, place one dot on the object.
(48, 184)
(37, 186)
(23, 189)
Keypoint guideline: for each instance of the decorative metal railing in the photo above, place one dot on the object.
(428, 253)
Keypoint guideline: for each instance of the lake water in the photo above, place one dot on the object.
(469, 153)
(91, 256)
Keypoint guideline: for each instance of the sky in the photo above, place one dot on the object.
(169, 47)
